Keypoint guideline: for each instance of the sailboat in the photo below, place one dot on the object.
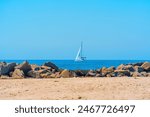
(79, 56)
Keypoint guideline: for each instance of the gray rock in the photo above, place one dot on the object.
(122, 72)
(138, 69)
(137, 64)
(126, 67)
(74, 74)
(5, 69)
(91, 73)
(49, 64)
(53, 70)
(25, 67)
(84, 72)
(98, 75)
(81, 72)
(99, 70)
(33, 74)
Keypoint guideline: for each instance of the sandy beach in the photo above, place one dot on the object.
(76, 88)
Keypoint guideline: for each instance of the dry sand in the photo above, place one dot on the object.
(76, 88)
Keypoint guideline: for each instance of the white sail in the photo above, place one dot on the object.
(79, 55)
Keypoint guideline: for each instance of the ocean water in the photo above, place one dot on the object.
(85, 65)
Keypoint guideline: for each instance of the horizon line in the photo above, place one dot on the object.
(73, 59)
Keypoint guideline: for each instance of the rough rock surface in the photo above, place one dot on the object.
(35, 67)
(138, 69)
(5, 68)
(52, 65)
(34, 74)
(146, 66)
(66, 74)
(25, 67)
(126, 67)
(122, 72)
(91, 73)
(106, 71)
(50, 70)
(18, 74)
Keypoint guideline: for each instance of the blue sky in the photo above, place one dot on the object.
(53, 29)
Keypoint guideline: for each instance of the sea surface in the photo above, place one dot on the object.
(85, 65)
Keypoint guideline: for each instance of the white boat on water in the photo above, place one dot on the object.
(79, 56)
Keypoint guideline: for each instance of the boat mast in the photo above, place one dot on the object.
(81, 48)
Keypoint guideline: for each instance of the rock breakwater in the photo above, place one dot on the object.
(50, 70)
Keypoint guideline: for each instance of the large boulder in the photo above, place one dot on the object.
(18, 74)
(120, 67)
(137, 64)
(52, 65)
(91, 73)
(129, 67)
(33, 74)
(104, 71)
(45, 73)
(80, 73)
(66, 74)
(25, 67)
(35, 67)
(122, 73)
(108, 70)
(5, 68)
(138, 69)
(126, 67)
(146, 66)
